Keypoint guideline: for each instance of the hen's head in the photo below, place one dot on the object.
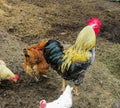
(14, 78)
(42, 104)
(33, 56)
(95, 23)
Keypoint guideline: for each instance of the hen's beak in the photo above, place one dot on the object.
(25, 52)
(14, 79)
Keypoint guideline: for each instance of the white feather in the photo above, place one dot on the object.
(5, 72)
(64, 101)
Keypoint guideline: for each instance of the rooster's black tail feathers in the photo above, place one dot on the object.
(53, 52)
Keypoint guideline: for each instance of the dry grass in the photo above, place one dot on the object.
(100, 89)
(109, 54)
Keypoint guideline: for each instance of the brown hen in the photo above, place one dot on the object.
(34, 62)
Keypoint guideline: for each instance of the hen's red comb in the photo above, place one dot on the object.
(94, 21)
(42, 104)
(16, 76)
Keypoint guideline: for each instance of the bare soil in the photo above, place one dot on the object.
(26, 22)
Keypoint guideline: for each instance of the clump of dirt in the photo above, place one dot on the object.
(26, 22)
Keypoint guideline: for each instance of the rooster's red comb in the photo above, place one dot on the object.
(94, 21)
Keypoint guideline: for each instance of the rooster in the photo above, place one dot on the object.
(72, 63)
(34, 62)
(6, 73)
(64, 101)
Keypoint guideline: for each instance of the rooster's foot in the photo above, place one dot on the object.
(76, 91)
(62, 90)
(76, 94)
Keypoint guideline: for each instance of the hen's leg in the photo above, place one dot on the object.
(76, 90)
(35, 72)
(28, 70)
(63, 84)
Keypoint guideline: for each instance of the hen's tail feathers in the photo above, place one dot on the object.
(53, 52)
(68, 90)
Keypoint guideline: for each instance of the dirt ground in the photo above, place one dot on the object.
(26, 22)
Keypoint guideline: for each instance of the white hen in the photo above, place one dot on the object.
(64, 101)
(6, 73)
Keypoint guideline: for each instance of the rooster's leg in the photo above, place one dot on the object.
(63, 85)
(76, 90)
